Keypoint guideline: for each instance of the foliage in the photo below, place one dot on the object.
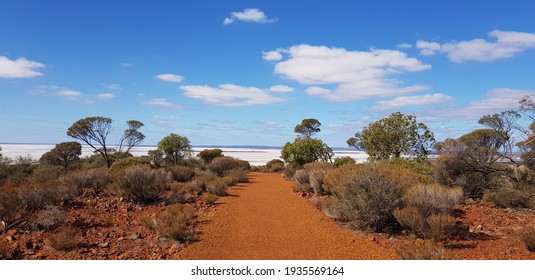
(342, 161)
(217, 187)
(156, 157)
(63, 154)
(45, 172)
(131, 135)
(130, 161)
(141, 184)
(210, 199)
(94, 132)
(302, 181)
(207, 155)
(76, 182)
(393, 137)
(509, 198)
(305, 150)
(175, 147)
(308, 127)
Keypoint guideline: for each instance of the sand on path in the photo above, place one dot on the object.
(265, 220)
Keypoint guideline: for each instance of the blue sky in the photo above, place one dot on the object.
(246, 72)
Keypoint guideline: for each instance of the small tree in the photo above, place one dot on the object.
(94, 132)
(305, 150)
(308, 127)
(395, 136)
(131, 137)
(175, 147)
(63, 154)
(91, 130)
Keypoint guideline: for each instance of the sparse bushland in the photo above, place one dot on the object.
(173, 223)
(527, 236)
(17, 170)
(141, 184)
(66, 238)
(19, 205)
(44, 172)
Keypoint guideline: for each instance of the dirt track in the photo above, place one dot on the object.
(265, 220)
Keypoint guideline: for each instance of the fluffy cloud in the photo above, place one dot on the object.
(20, 68)
(506, 44)
(281, 88)
(249, 15)
(404, 101)
(170, 78)
(105, 96)
(231, 95)
(497, 100)
(272, 55)
(162, 102)
(355, 74)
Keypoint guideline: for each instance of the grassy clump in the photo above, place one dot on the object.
(173, 223)
(141, 184)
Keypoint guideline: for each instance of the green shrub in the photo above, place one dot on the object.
(45, 172)
(241, 174)
(316, 174)
(221, 164)
(182, 173)
(129, 162)
(207, 155)
(368, 194)
(508, 198)
(302, 181)
(141, 184)
(273, 162)
(343, 161)
(96, 179)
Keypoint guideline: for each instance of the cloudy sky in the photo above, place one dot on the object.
(246, 72)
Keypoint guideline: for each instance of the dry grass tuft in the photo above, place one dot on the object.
(527, 236)
(173, 222)
(142, 184)
(65, 239)
(420, 250)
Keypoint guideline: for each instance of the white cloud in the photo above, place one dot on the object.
(231, 95)
(170, 78)
(249, 15)
(20, 68)
(272, 55)
(115, 87)
(162, 102)
(69, 93)
(317, 91)
(281, 88)
(56, 91)
(404, 46)
(506, 45)
(356, 74)
(106, 96)
(497, 100)
(404, 101)
(127, 65)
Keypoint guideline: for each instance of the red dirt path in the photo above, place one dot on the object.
(265, 220)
